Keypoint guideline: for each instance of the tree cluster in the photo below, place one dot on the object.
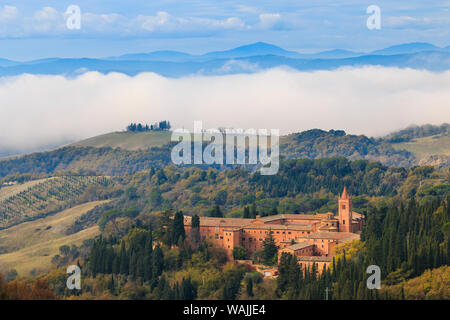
(158, 126)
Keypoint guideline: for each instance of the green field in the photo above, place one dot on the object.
(127, 140)
(31, 245)
(423, 148)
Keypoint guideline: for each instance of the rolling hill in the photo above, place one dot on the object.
(312, 144)
(317, 144)
(30, 246)
(254, 49)
(432, 150)
(408, 48)
(127, 140)
(121, 153)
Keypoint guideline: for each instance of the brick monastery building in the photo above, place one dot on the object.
(308, 237)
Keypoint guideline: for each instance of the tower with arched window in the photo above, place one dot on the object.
(345, 212)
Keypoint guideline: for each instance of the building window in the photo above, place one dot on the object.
(343, 207)
(343, 221)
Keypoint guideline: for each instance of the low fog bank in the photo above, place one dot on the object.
(42, 111)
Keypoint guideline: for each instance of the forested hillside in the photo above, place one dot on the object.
(134, 257)
(406, 231)
(404, 240)
(316, 144)
(301, 186)
(129, 152)
(105, 161)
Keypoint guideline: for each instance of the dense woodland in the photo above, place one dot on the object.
(317, 144)
(405, 240)
(301, 186)
(104, 161)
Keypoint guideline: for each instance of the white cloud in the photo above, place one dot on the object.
(43, 110)
(8, 13)
(237, 66)
(50, 22)
(398, 22)
(47, 20)
(164, 22)
(268, 20)
(245, 8)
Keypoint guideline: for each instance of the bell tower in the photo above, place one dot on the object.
(345, 212)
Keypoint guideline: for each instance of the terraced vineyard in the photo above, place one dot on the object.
(36, 198)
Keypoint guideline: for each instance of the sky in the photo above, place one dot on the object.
(31, 29)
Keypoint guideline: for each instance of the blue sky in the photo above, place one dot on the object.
(31, 29)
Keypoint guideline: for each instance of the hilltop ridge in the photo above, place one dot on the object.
(260, 54)
(128, 152)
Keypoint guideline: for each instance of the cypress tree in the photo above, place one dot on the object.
(158, 262)
(148, 252)
(195, 231)
(249, 287)
(178, 231)
(246, 213)
(269, 249)
(124, 263)
(253, 211)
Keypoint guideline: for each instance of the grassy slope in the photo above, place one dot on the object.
(127, 140)
(433, 150)
(424, 147)
(31, 245)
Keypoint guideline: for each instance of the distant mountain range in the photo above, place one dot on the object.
(244, 59)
